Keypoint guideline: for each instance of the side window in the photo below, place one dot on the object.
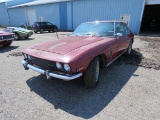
(127, 31)
(49, 23)
(122, 28)
(43, 24)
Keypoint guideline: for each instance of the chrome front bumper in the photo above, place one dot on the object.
(8, 39)
(63, 77)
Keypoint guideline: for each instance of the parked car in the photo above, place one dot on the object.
(44, 26)
(91, 46)
(19, 32)
(6, 38)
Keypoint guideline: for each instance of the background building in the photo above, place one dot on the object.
(140, 15)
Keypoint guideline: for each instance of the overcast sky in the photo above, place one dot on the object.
(4, 0)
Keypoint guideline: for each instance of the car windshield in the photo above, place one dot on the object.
(8, 29)
(95, 29)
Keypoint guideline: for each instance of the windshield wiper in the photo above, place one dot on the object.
(89, 33)
(105, 35)
(82, 34)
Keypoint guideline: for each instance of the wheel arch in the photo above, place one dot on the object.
(103, 60)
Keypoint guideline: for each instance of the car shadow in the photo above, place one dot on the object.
(73, 98)
(23, 39)
(7, 48)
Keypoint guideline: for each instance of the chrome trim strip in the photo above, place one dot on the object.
(116, 58)
(68, 78)
(6, 39)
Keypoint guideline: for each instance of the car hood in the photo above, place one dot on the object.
(21, 29)
(66, 45)
(5, 33)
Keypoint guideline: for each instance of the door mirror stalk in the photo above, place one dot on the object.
(118, 35)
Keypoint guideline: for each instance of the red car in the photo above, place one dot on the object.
(91, 46)
(6, 38)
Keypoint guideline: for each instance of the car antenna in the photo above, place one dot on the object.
(57, 34)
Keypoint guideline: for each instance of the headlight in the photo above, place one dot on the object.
(1, 37)
(67, 67)
(25, 55)
(58, 65)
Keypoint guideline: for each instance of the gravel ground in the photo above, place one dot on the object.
(128, 89)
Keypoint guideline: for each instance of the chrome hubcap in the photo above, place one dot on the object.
(16, 36)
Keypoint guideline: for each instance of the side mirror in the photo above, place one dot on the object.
(119, 34)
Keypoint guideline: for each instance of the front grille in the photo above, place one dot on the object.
(7, 36)
(45, 64)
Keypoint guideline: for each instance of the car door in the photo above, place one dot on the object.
(111, 50)
(44, 26)
(123, 40)
(50, 26)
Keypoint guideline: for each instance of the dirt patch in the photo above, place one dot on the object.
(16, 54)
(148, 56)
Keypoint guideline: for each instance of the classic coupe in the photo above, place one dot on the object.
(19, 32)
(6, 38)
(91, 46)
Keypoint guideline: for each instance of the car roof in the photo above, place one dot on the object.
(105, 21)
(41, 22)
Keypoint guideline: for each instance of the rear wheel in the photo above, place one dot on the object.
(55, 29)
(26, 37)
(92, 74)
(41, 31)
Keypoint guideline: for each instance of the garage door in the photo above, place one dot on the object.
(31, 16)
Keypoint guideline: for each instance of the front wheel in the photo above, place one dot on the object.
(8, 43)
(92, 74)
(41, 31)
(16, 36)
(129, 49)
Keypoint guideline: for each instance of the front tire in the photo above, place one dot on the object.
(92, 74)
(17, 37)
(129, 49)
(8, 43)
(41, 31)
